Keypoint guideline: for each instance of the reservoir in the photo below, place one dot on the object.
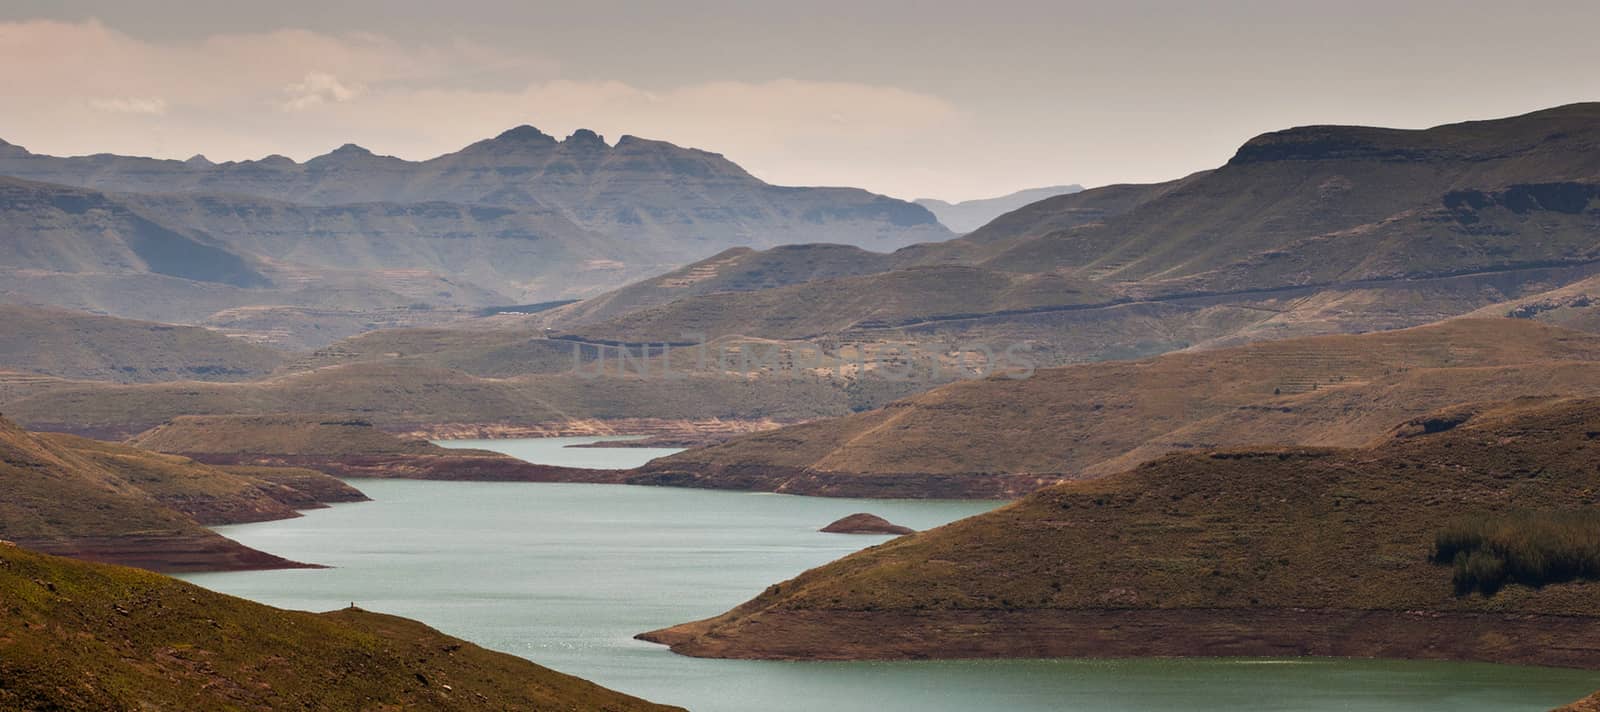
(566, 574)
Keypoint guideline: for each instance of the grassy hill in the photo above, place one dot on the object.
(1279, 551)
(1001, 437)
(72, 496)
(69, 344)
(89, 636)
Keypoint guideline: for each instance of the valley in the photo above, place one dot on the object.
(1313, 427)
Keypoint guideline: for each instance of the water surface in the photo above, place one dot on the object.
(566, 574)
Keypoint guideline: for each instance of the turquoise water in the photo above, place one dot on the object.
(566, 574)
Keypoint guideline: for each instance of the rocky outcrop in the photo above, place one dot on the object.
(863, 523)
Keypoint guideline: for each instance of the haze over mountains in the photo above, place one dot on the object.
(516, 219)
(969, 215)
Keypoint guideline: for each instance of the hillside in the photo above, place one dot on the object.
(736, 270)
(411, 394)
(1573, 306)
(1000, 437)
(1209, 554)
(93, 500)
(75, 345)
(1311, 230)
(89, 636)
(344, 447)
(830, 306)
(969, 215)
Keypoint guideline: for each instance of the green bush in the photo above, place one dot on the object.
(1490, 552)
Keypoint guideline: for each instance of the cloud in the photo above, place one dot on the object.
(154, 106)
(317, 88)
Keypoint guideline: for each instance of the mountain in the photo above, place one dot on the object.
(1002, 437)
(100, 501)
(90, 636)
(969, 215)
(1312, 230)
(70, 344)
(1426, 544)
(673, 204)
(302, 254)
(193, 258)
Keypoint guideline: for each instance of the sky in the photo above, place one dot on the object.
(912, 99)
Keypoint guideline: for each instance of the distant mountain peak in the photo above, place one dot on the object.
(11, 149)
(585, 138)
(525, 134)
(348, 153)
(350, 149)
(199, 160)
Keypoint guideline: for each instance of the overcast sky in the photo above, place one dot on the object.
(912, 99)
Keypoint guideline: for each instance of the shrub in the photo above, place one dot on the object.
(1528, 548)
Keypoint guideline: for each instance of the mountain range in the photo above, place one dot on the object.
(1312, 230)
(516, 219)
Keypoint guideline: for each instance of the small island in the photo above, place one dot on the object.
(863, 523)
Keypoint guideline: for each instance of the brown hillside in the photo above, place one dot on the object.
(105, 502)
(405, 395)
(84, 636)
(345, 447)
(1000, 437)
(1280, 552)
(69, 344)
